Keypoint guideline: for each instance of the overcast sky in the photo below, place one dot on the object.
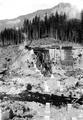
(13, 8)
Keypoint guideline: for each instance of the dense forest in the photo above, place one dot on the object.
(11, 36)
(56, 26)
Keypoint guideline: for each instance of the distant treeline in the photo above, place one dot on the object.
(56, 26)
(11, 36)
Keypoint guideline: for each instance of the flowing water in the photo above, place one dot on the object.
(68, 57)
(72, 58)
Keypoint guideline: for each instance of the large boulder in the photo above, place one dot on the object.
(7, 115)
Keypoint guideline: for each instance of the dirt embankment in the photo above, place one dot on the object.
(18, 73)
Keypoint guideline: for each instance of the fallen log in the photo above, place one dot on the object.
(43, 98)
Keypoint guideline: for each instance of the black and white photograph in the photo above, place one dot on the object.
(41, 59)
